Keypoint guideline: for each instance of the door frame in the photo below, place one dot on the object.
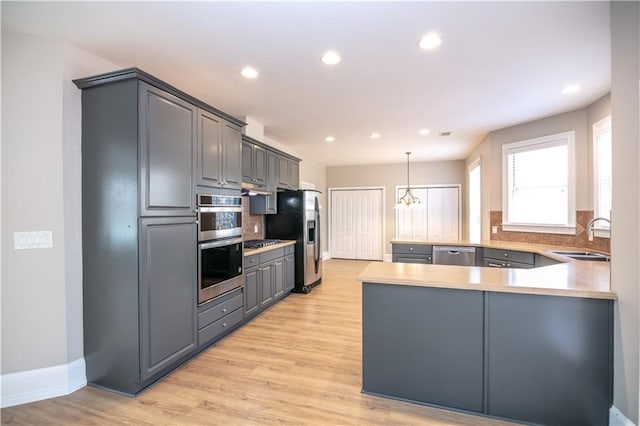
(434, 185)
(356, 188)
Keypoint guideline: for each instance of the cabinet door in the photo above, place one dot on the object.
(247, 162)
(289, 273)
(167, 127)
(210, 150)
(168, 292)
(278, 278)
(272, 182)
(232, 156)
(260, 165)
(266, 284)
(251, 290)
(283, 172)
(294, 174)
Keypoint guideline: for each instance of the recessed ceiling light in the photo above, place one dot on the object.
(249, 72)
(571, 88)
(430, 41)
(330, 58)
(329, 139)
(374, 135)
(423, 132)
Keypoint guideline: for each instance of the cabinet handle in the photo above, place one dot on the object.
(506, 255)
(410, 248)
(224, 310)
(224, 324)
(495, 265)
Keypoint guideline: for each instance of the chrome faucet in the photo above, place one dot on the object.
(590, 226)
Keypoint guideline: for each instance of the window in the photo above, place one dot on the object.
(538, 185)
(475, 194)
(602, 168)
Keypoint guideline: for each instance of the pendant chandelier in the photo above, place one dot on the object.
(408, 199)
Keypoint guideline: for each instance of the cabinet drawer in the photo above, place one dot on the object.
(219, 310)
(510, 255)
(219, 327)
(407, 258)
(289, 249)
(270, 255)
(411, 249)
(496, 263)
(251, 261)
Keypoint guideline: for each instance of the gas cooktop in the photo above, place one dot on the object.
(253, 244)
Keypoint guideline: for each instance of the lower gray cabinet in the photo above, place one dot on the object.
(412, 253)
(289, 270)
(549, 359)
(219, 316)
(168, 292)
(251, 290)
(423, 344)
(268, 277)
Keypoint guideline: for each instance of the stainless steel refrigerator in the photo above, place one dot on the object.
(298, 219)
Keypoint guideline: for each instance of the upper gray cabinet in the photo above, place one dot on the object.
(218, 152)
(166, 153)
(288, 173)
(254, 164)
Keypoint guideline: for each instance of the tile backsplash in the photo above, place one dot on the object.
(250, 221)
(579, 240)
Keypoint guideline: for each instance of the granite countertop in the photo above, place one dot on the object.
(574, 278)
(284, 243)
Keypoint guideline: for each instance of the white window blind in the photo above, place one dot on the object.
(602, 167)
(538, 185)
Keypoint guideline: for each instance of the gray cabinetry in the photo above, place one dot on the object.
(139, 170)
(288, 173)
(411, 253)
(549, 359)
(251, 290)
(289, 269)
(219, 316)
(267, 204)
(254, 163)
(167, 153)
(218, 152)
(269, 276)
(497, 258)
(530, 358)
(423, 344)
(167, 284)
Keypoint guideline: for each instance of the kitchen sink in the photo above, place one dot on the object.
(584, 255)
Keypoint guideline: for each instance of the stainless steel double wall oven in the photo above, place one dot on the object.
(219, 245)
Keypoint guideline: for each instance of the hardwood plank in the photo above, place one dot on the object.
(299, 363)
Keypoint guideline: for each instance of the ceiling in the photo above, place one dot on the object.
(500, 64)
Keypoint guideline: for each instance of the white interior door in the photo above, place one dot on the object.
(356, 224)
(443, 216)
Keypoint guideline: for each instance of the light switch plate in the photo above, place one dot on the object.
(32, 240)
(494, 229)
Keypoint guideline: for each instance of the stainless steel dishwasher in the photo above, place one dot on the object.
(452, 255)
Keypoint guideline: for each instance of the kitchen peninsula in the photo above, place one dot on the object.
(532, 345)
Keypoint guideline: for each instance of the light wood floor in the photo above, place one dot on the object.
(298, 363)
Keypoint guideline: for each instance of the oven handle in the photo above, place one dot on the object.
(220, 243)
(201, 209)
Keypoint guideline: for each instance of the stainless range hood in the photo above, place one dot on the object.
(251, 189)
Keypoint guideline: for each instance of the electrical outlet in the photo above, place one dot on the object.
(494, 229)
(32, 240)
(255, 228)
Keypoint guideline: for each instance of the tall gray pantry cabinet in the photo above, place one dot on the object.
(140, 168)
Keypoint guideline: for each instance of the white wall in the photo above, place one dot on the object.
(41, 288)
(625, 218)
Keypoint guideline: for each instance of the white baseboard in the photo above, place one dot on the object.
(326, 255)
(616, 418)
(387, 257)
(43, 383)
